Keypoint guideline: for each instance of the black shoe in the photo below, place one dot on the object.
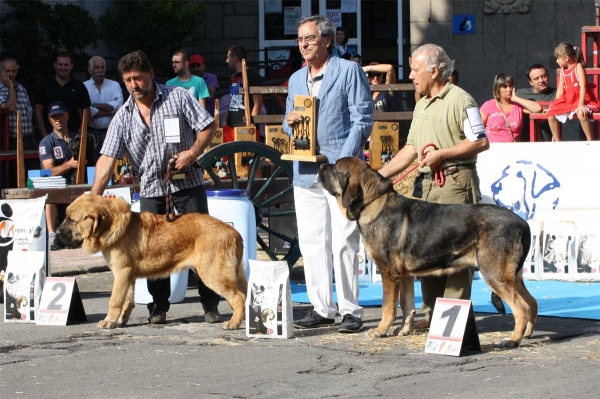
(158, 317)
(313, 319)
(211, 314)
(350, 324)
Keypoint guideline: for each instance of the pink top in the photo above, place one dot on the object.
(496, 128)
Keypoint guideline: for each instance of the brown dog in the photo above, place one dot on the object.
(407, 238)
(146, 245)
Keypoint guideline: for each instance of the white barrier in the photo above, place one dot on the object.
(552, 186)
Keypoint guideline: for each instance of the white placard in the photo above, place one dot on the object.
(23, 284)
(172, 134)
(348, 6)
(56, 300)
(447, 327)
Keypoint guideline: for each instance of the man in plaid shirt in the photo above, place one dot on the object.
(155, 124)
(13, 98)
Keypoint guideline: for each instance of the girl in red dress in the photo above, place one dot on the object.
(574, 95)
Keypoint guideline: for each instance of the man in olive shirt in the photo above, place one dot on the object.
(448, 117)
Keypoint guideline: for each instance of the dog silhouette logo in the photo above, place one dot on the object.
(525, 187)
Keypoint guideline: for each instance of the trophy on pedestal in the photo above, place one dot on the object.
(303, 146)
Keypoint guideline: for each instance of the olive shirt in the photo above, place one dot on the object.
(440, 120)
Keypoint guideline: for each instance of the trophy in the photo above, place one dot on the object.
(385, 143)
(275, 137)
(303, 146)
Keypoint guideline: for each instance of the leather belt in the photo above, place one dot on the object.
(450, 169)
(177, 176)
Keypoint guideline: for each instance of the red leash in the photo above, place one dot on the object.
(438, 175)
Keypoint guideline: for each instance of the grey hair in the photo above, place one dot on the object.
(91, 61)
(436, 57)
(326, 28)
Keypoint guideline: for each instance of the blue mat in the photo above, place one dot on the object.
(555, 298)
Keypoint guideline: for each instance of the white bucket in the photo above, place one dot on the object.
(233, 207)
(179, 281)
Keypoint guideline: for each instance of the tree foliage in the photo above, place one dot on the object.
(33, 28)
(157, 27)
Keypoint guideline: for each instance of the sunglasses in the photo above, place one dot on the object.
(374, 75)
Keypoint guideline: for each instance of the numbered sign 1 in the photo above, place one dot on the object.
(61, 302)
(452, 328)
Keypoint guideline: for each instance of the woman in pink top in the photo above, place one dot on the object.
(503, 115)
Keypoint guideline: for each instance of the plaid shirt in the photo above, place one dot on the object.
(23, 105)
(147, 148)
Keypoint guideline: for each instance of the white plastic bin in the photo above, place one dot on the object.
(179, 281)
(233, 206)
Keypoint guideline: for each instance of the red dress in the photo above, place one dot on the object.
(567, 104)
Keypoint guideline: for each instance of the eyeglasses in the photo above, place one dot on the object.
(373, 75)
(310, 39)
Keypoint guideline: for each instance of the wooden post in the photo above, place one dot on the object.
(81, 159)
(20, 155)
(247, 112)
(247, 132)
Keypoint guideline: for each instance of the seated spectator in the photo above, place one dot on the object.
(503, 115)
(56, 155)
(357, 58)
(375, 74)
(454, 77)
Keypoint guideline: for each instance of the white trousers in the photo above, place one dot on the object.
(329, 242)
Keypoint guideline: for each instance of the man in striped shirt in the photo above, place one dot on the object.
(155, 124)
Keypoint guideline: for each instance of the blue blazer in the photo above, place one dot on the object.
(344, 115)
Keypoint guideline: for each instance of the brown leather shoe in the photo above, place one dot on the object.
(211, 314)
(422, 324)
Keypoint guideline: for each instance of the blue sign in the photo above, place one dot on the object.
(463, 24)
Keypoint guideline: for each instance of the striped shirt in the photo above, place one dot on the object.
(23, 105)
(147, 148)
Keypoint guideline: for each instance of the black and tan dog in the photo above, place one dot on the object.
(407, 238)
(146, 245)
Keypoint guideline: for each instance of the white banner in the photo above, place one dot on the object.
(552, 184)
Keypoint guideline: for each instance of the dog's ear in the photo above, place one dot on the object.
(94, 223)
(351, 190)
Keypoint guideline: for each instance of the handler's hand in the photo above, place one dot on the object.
(186, 158)
(432, 159)
(293, 118)
(73, 163)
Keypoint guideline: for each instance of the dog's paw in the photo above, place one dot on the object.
(228, 325)
(375, 333)
(122, 321)
(106, 325)
(403, 331)
(508, 343)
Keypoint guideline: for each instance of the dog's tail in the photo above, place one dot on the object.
(525, 244)
(498, 304)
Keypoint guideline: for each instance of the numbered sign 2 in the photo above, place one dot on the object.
(452, 328)
(61, 302)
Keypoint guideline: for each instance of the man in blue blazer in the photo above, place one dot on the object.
(328, 241)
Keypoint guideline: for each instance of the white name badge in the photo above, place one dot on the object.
(447, 326)
(172, 134)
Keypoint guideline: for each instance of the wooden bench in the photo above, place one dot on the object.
(534, 130)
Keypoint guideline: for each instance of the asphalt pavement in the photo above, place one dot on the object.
(190, 358)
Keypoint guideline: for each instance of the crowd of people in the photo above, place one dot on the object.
(159, 123)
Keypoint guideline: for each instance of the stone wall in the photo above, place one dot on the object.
(502, 42)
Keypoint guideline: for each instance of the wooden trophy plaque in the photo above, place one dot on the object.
(385, 143)
(304, 143)
(218, 139)
(244, 133)
(275, 137)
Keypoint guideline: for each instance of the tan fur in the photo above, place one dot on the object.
(146, 245)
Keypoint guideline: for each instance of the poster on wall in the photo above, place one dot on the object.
(335, 16)
(291, 18)
(279, 61)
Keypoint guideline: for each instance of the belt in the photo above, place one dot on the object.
(97, 130)
(450, 169)
(177, 176)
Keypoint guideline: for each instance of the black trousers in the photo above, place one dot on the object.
(186, 201)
